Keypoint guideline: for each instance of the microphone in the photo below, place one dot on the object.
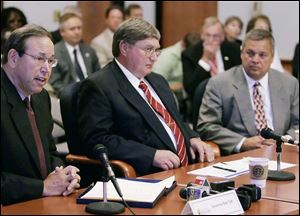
(100, 152)
(268, 133)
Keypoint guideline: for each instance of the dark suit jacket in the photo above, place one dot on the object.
(112, 112)
(64, 73)
(20, 176)
(296, 62)
(193, 73)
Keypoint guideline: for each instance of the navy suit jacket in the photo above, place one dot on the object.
(20, 175)
(194, 74)
(112, 112)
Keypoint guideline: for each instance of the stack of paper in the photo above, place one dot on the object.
(230, 169)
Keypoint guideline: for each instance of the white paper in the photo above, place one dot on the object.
(241, 166)
(132, 190)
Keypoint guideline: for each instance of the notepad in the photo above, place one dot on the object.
(143, 193)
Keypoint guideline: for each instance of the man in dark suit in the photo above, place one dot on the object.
(72, 54)
(116, 110)
(296, 62)
(211, 56)
(29, 167)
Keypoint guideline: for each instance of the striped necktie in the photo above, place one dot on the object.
(181, 149)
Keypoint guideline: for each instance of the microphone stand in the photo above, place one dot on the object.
(279, 175)
(105, 207)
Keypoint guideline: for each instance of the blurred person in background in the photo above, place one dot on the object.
(233, 28)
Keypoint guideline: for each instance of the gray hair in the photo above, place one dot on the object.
(258, 35)
(211, 21)
(17, 39)
(131, 31)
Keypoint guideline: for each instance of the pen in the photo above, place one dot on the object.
(222, 168)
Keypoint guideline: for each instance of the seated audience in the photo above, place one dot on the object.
(132, 111)
(29, 167)
(211, 56)
(239, 103)
(114, 15)
(296, 62)
(233, 28)
(263, 22)
(134, 11)
(76, 60)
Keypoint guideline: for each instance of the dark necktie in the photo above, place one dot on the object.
(169, 121)
(37, 138)
(77, 66)
(260, 117)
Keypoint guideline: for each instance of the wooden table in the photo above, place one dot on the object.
(279, 198)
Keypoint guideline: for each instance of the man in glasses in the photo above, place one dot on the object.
(29, 167)
(211, 56)
(239, 103)
(132, 111)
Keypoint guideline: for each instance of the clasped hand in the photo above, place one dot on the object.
(62, 181)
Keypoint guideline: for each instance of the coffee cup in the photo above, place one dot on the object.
(258, 169)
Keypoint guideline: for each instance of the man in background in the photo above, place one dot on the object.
(239, 103)
(134, 11)
(114, 15)
(29, 167)
(76, 59)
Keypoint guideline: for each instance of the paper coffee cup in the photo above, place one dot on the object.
(258, 169)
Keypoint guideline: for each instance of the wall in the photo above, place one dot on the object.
(284, 17)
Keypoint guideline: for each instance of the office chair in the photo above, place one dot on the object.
(89, 168)
(197, 100)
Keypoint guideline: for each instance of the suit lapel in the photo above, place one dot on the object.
(86, 58)
(66, 56)
(133, 97)
(19, 117)
(243, 101)
(278, 102)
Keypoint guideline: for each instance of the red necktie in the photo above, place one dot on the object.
(260, 117)
(37, 138)
(213, 67)
(169, 121)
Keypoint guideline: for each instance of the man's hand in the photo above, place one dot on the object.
(62, 181)
(204, 151)
(256, 142)
(166, 160)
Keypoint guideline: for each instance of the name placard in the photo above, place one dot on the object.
(226, 203)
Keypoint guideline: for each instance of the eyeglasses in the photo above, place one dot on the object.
(252, 54)
(213, 36)
(149, 51)
(42, 59)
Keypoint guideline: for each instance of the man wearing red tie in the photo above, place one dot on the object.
(132, 111)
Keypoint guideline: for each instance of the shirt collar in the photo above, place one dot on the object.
(263, 81)
(71, 48)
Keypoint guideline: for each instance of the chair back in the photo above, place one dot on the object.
(197, 100)
(68, 106)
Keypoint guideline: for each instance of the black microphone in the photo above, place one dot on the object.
(268, 133)
(100, 152)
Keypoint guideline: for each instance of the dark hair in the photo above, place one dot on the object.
(232, 18)
(131, 7)
(113, 7)
(17, 39)
(253, 20)
(5, 14)
(191, 39)
(258, 35)
(131, 31)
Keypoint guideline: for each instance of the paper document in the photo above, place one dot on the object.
(230, 169)
(143, 191)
